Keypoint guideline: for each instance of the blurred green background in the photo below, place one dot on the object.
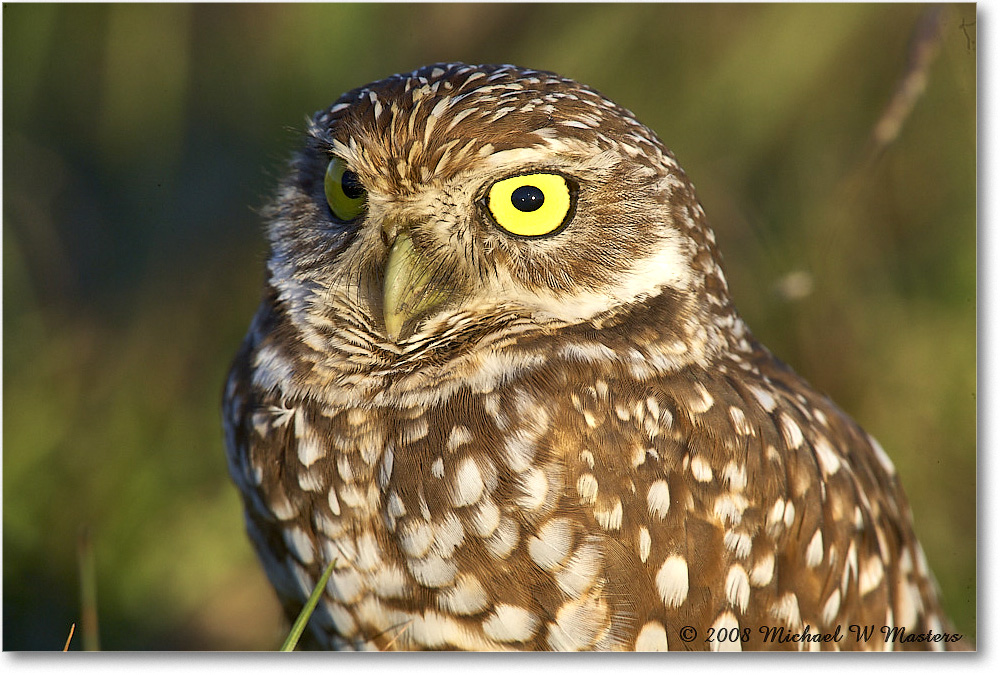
(138, 141)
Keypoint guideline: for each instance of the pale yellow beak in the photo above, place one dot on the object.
(406, 291)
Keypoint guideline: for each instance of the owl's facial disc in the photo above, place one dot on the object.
(556, 208)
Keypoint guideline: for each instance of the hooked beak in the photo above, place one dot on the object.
(407, 291)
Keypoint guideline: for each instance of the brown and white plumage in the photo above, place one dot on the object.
(561, 441)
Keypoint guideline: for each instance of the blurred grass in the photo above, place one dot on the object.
(139, 139)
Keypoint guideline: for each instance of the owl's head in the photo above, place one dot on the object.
(464, 199)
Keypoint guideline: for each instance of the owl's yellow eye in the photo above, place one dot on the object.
(344, 192)
(532, 204)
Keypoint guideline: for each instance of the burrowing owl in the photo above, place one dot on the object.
(498, 377)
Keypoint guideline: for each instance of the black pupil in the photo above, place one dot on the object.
(351, 185)
(527, 198)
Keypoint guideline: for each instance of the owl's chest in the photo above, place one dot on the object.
(411, 503)
(391, 469)
(440, 516)
(495, 496)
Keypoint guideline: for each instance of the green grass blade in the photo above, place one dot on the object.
(303, 618)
